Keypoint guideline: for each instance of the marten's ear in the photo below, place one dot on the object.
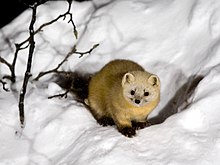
(154, 80)
(127, 78)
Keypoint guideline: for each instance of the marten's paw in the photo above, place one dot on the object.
(140, 125)
(106, 121)
(128, 131)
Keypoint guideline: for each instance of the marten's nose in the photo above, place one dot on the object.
(137, 101)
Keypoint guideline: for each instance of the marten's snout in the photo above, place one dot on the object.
(137, 101)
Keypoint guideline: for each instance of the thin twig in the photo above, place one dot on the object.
(87, 52)
(55, 20)
(12, 77)
(60, 95)
(2, 60)
(73, 51)
(41, 74)
(3, 85)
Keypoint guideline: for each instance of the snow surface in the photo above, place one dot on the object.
(177, 40)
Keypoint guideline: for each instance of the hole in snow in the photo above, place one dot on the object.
(179, 102)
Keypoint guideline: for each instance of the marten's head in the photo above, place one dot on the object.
(140, 88)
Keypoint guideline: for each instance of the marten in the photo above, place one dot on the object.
(122, 93)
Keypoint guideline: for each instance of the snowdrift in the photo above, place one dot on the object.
(177, 40)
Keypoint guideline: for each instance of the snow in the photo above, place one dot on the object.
(177, 40)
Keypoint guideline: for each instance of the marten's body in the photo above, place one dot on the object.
(123, 93)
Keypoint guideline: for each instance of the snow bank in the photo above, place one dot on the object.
(177, 40)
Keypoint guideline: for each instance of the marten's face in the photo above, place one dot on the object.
(140, 90)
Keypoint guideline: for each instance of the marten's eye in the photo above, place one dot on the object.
(146, 93)
(132, 92)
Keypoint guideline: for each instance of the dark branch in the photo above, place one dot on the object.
(41, 74)
(2, 60)
(11, 68)
(73, 51)
(67, 13)
(29, 64)
(3, 85)
(55, 20)
(60, 95)
(87, 52)
(21, 46)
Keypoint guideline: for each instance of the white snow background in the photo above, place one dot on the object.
(179, 40)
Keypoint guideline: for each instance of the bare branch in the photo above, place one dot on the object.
(87, 52)
(29, 64)
(3, 85)
(11, 68)
(73, 51)
(55, 20)
(21, 46)
(60, 95)
(30, 44)
(2, 60)
(41, 74)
